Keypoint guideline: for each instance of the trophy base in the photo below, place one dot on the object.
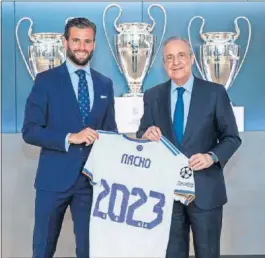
(128, 112)
(239, 115)
(133, 94)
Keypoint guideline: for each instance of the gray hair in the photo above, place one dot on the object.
(173, 38)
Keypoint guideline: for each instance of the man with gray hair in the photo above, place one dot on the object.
(196, 116)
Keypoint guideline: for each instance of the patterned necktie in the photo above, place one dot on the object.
(83, 95)
(179, 115)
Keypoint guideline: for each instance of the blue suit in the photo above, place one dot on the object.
(210, 127)
(51, 113)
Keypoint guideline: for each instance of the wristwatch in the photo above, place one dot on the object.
(213, 156)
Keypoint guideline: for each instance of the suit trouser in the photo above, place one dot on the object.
(206, 229)
(50, 208)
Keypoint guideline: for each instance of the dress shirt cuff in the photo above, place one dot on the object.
(67, 144)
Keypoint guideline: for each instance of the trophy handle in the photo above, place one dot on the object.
(152, 27)
(116, 27)
(201, 32)
(237, 35)
(18, 42)
(68, 19)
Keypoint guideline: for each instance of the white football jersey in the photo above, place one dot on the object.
(133, 192)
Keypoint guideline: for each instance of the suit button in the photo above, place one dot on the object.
(81, 149)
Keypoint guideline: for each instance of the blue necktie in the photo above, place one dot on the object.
(178, 121)
(83, 96)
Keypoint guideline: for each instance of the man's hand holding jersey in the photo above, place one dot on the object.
(197, 161)
(153, 133)
(87, 136)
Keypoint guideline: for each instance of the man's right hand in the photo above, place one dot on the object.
(153, 133)
(87, 136)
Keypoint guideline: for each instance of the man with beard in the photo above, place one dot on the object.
(66, 106)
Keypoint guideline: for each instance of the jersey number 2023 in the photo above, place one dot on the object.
(126, 212)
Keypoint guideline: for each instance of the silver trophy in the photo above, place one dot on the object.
(46, 51)
(134, 48)
(219, 55)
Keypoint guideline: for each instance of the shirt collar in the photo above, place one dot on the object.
(72, 67)
(187, 86)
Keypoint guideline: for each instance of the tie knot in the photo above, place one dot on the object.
(81, 73)
(181, 90)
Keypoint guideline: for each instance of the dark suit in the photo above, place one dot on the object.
(210, 126)
(51, 113)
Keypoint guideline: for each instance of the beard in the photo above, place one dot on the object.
(71, 55)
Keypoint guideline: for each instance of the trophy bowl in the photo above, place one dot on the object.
(134, 48)
(219, 54)
(45, 52)
(219, 57)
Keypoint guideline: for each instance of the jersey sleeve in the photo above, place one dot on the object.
(185, 185)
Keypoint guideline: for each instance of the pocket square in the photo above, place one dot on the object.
(103, 97)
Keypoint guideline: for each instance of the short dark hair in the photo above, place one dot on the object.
(81, 23)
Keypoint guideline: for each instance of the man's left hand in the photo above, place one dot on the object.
(200, 161)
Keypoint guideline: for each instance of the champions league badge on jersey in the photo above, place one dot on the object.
(185, 172)
(185, 191)
(186, 179)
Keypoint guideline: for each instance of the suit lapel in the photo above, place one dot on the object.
(164, 107)
(96, 92)
(197, 102)
(99, 103)
(68, 89)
